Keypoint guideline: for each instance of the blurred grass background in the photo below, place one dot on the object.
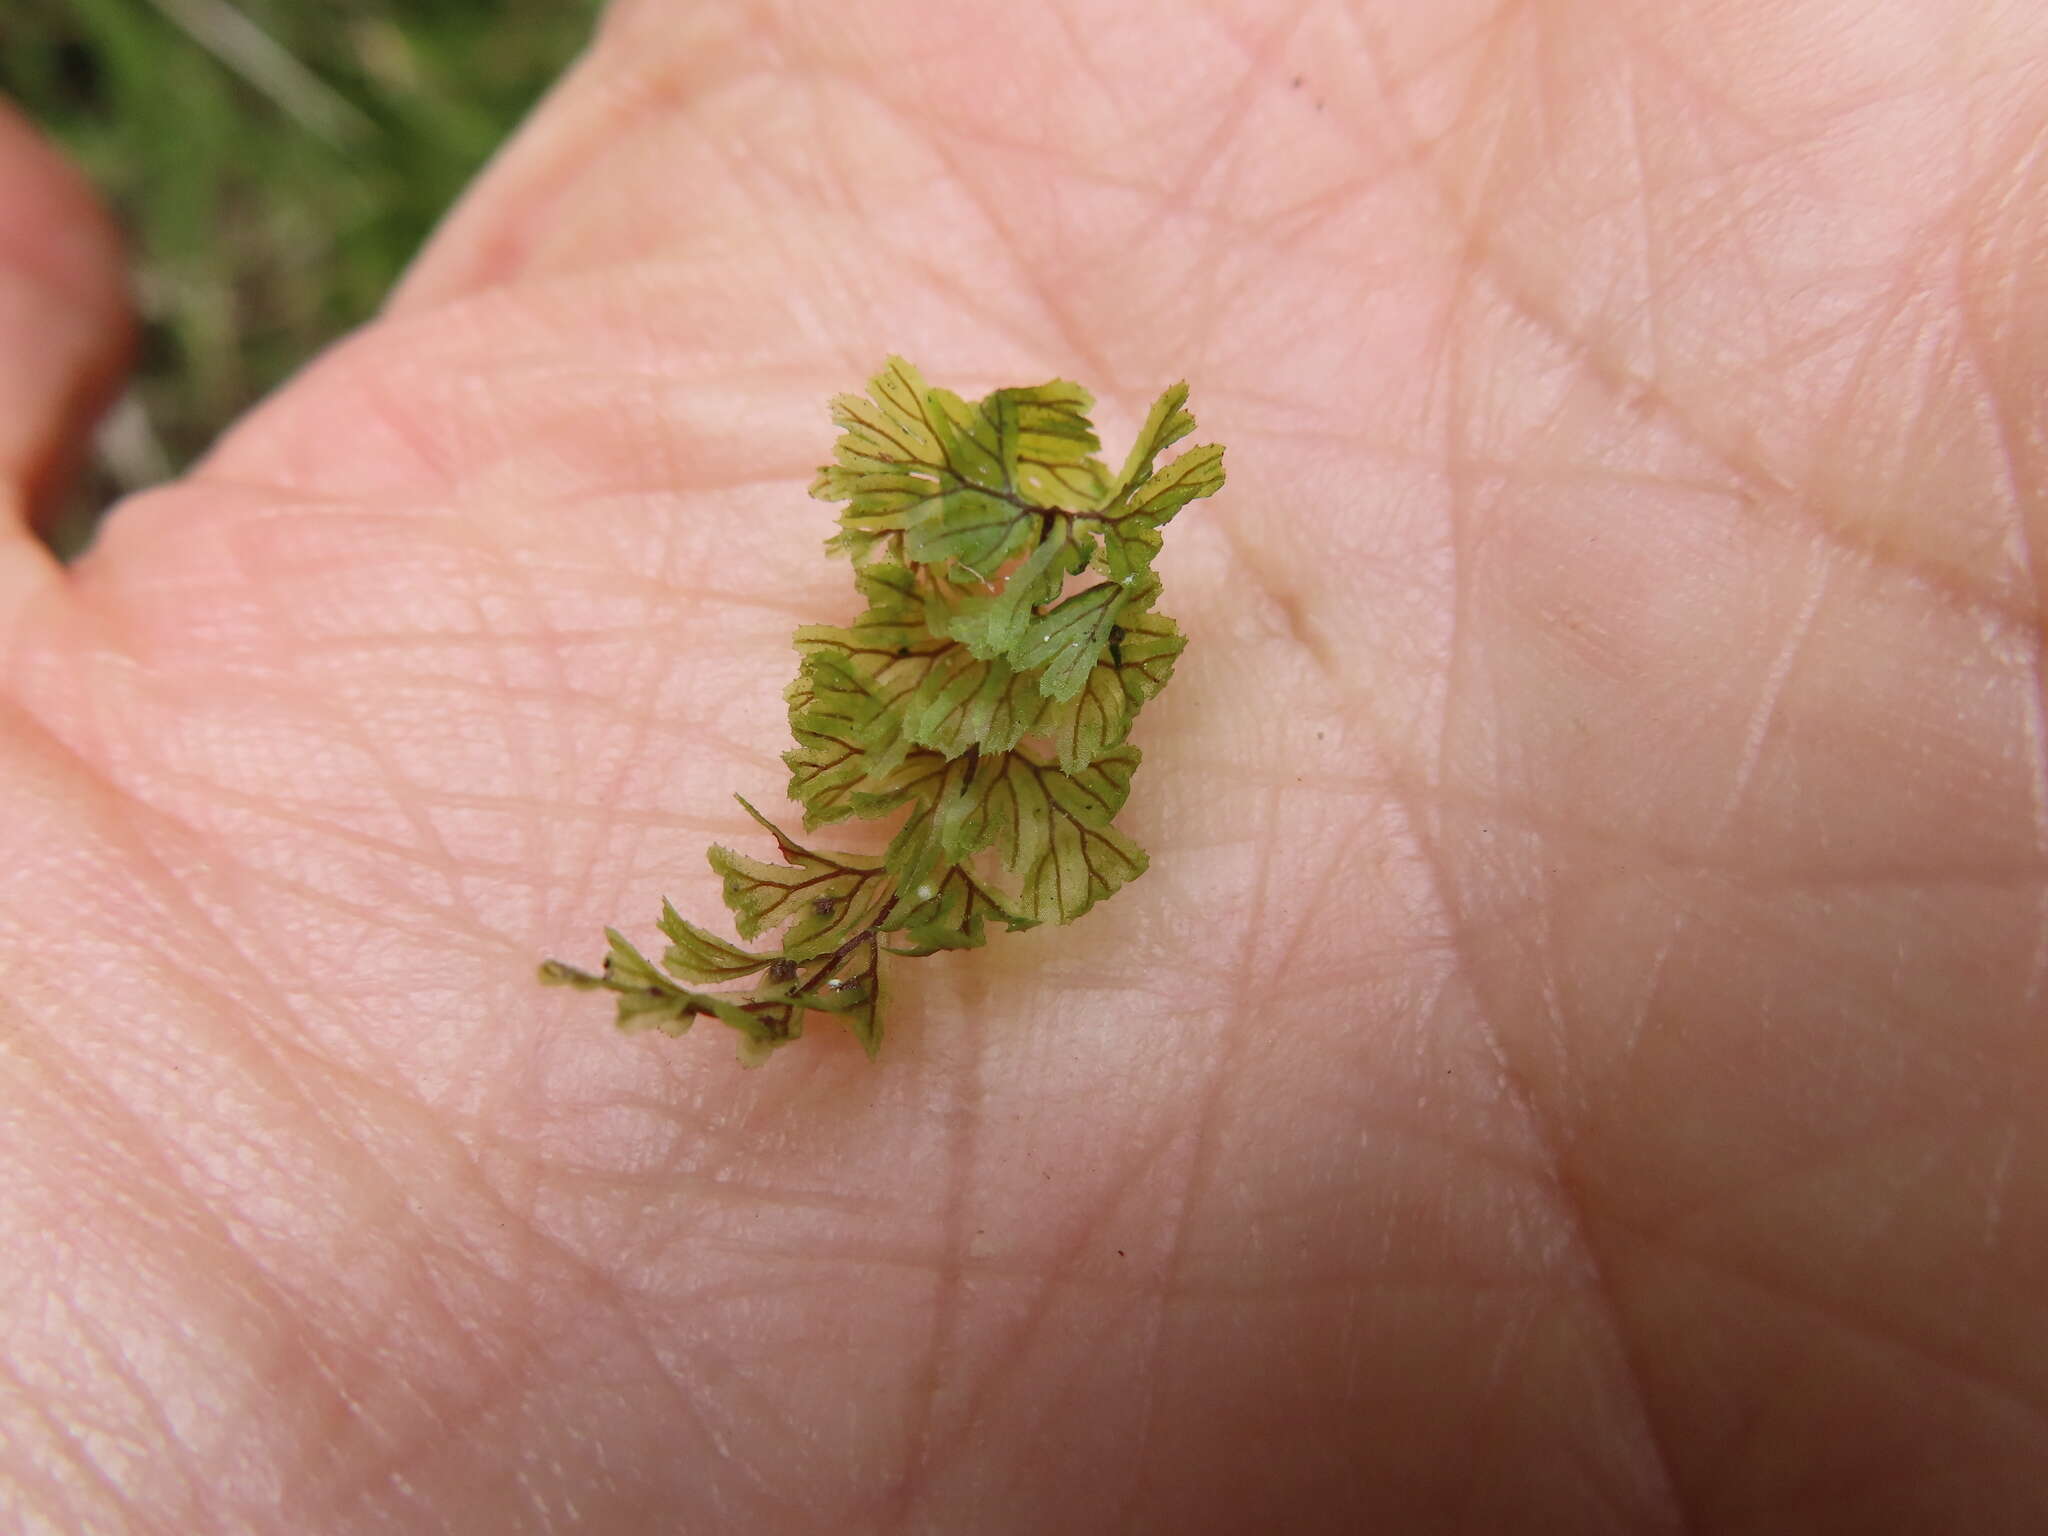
(275, 163)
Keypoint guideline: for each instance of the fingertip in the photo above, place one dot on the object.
(65, 325)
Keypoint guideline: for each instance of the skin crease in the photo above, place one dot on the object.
(1576, 1061)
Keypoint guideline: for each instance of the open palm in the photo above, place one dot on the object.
(1576, 1062)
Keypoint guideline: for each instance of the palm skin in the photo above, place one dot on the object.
(1575, 1062)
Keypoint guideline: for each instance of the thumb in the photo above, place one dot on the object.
(64, 335)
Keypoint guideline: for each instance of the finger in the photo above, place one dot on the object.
(64, 328)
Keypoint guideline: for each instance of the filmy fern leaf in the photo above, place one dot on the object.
(986, 694)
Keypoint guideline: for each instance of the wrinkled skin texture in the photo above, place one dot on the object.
(1576, 1062)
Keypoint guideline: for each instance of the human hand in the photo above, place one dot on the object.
(1575, 1062)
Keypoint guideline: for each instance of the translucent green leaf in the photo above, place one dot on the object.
(922, 473)
(853, 712)
(930, 938)
(1035, 444)
(979, 439)
(916, 778)
(1195, 474)
(828, 919)
(941, 481)
(645, 996)
(917, 858)
(695, 955)
(1051, 829)
(952, 917)
(818, 897)
(1136, 664)
(1069, 641)
(892, 627)
(1035, 797)
(1165, 424)
(1144, 653)
(851, 988)
(1009, 802)
(964, 702)
(886, 462)
(649, 1000)
(1094, 795)
(1078, 866)
(849, 734)
(1055, 836)
(964, 520)
(959, 817)
(1145, 496)
(1054, 464)
(1096, 718)
(993, 625)
(1129, 546)
(974, 531)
